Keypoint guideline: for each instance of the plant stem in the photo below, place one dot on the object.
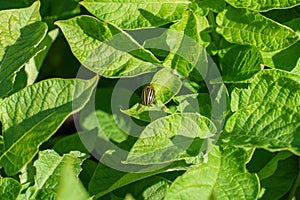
(213, 25)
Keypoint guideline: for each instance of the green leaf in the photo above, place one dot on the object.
(270, 168)
(70, 186)
(105, 115)
(9, 188)
(105, 49)
(259, 159)
(262, 5)
(34, 65)
(106, 179)
(20, 18)
(203, 28)
(88, 169)
(200, 71)
(283, 15)
(171, 138)
(108, 124)
(50, 172)
(130, 14)
(21, 33)
(166, 84)
(215, 6)
(20, 81)
(266, 115)
(155, 188)
(219, 105)
(268, 125)
(268, 86)
(1, 143)
(27, 175)
(52, 10)
(219, 46)
(14, 4)
(223, 177)
(151, 188)
(70, 143)
(200, 103)
(28, 74)
(296, 70)
(183, 38)
(180, 40)
(294, 24)
(240, 63)
(287, 59)
(199, 9)
(30, 116)
(147, 113)
(282, 180)
(251, 28)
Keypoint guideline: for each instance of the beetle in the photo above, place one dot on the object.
(148, 95)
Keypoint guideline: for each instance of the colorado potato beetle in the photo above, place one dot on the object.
(148, 95)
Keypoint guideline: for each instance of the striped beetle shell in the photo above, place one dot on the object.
(148, 95)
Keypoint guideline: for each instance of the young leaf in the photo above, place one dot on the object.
(20, 42)
(30, 116)
(166, 84)
(131, 14)
(49, 172)
(147, 113)
(9, 188)
(223, 177)
(251, 28)
(105, 49)
(170, 138)
(261, 5)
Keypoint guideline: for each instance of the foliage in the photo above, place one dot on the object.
(226, 118)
